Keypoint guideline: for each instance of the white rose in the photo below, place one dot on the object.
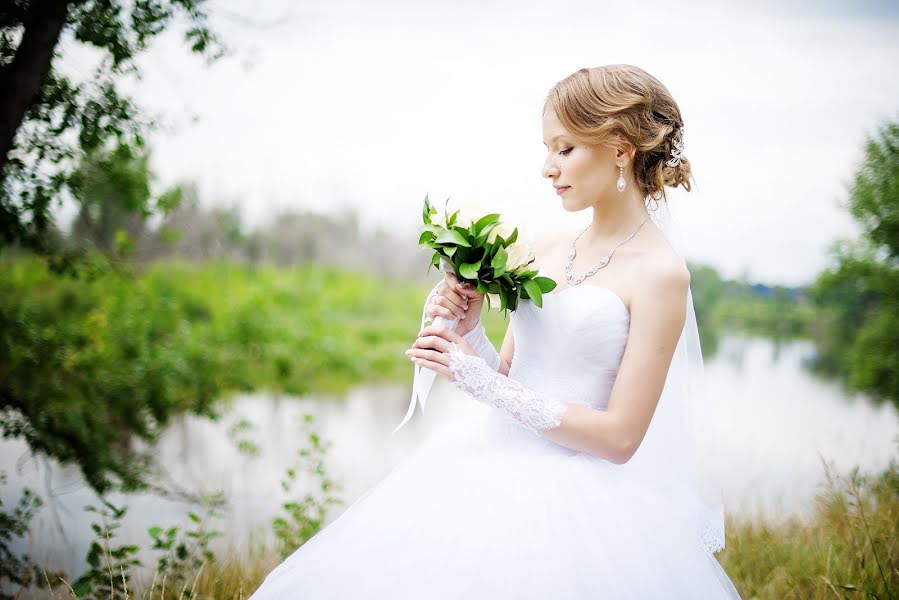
(520, 254)
(501, 229)
(469, 212)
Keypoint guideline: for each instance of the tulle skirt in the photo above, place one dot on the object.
(487, 510)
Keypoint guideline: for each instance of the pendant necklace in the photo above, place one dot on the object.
(573, 279)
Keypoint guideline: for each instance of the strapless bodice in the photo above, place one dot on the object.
(572, 346)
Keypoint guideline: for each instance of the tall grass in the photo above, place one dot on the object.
(848, 549)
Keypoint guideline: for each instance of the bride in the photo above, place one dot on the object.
(585, 477)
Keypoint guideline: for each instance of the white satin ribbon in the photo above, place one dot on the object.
(423, 378)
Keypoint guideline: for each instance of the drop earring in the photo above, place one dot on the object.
(621, 182)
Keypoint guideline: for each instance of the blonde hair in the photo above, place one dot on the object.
(601, 105)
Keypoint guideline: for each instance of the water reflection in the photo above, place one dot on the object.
(777, 423)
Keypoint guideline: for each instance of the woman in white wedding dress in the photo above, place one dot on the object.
(584, 478)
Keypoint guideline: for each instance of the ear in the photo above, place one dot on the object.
(624, 151)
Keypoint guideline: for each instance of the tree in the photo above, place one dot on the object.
(48, 121)
(112, 189)
(861, 292)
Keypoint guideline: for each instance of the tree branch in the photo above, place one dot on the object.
(21, 80)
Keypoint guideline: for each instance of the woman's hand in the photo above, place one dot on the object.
(455, 300)
(431, 349)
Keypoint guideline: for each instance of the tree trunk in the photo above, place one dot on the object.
(21, 80)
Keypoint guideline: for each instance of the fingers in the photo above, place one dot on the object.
(443, 333)
(438, 368)
(431, 359)
(447, 303)
(430, 355)
(468, 290)
(437, 310)
(432, 342)
(443, 307)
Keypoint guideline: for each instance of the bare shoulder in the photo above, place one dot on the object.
(663, 281)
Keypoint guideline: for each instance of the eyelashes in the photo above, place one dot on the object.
(566, 151)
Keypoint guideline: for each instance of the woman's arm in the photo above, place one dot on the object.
(658, 311)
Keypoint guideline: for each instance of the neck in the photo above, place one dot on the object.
(614, 221)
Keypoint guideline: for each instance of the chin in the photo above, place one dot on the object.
(573, 207)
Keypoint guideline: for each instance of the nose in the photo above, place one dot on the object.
(549, 167)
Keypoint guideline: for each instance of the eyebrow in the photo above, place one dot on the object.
(554, 138)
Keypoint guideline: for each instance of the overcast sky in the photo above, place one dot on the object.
(330, 104)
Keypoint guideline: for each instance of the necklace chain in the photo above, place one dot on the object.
(576, 279)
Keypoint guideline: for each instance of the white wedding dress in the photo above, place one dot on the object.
(486, 510)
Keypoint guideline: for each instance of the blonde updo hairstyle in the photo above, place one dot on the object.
(603, 104)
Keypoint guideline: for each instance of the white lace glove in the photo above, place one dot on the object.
(478, 339)
(532, 410)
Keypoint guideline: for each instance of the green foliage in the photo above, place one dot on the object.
(186, 551)
(110, 566)
(860, 294)
(87, 364)
(13, 525)
(66, 118)
(306, 516)
(874, 195)
(112, 189)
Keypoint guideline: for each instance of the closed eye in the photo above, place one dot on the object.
(566, 151)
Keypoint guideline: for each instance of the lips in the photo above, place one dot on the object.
(561, 190)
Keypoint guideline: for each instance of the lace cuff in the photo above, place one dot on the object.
(478, 339)
(531, 410)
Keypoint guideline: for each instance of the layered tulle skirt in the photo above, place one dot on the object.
(487, 510)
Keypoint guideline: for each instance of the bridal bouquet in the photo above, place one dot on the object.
(483, 250)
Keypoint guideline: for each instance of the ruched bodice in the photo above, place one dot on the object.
(572, 346)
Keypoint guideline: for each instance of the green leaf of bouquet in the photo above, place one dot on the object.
(533, 290)
(450, 250)
(469, 270)
(484, 233)
(480, 224)
(451, 236)
(482, 287)
(426, 211)
(452, 219)
(464, 232)
(546, 284)
(499, 259)
(426, 236)
(512, 237)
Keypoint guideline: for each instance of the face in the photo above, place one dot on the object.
(582, 175)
